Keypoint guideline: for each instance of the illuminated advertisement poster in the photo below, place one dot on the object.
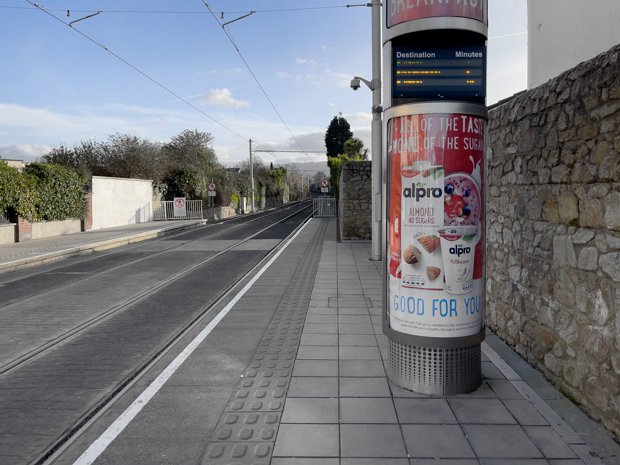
(399, 11)
(436, 224)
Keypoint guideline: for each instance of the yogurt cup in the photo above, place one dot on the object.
(458, 248)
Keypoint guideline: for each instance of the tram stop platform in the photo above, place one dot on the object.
(313, 390)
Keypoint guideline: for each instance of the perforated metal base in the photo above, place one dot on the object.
(437, 371)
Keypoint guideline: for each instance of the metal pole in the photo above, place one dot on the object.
(377, 146)
(251, 180)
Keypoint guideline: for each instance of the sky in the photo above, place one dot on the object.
(155, 68)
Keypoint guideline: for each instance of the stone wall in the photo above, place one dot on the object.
(354, 201)
(553, 223)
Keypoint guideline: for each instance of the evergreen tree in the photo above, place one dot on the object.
(338, 132)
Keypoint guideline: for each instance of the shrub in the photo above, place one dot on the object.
(59, 192)
(17, 193)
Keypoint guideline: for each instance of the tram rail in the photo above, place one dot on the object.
(61, 342)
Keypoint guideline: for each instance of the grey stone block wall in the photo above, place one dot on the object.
(553, 231)
(354, 204)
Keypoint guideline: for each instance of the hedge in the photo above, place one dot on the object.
(43, 191)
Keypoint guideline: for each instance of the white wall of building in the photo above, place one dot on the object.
(119, 202)
(564, 33)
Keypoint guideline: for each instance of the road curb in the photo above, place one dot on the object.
(48, 257)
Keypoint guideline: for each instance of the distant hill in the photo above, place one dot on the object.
(309, 168)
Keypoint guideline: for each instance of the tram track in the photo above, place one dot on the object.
(42, 363)
(57, 268)
(76, 330)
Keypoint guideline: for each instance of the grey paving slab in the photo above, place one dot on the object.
(358, 340)
(367, 410)
(444, 462)
(367, 368)
(565, 462)
(549, 442)
(431, 441)
(501, 441)
(307, 440)
(353, 311)
(490, 371)
(364, 387)
(367, 441)
(381, 461)
(313, 387)
(504, 389)
(483, 392)
(347, 328)
(317, 353)
(411, 410)
(524, 412)
(320, 328)
(479, 411)
(310, 410)
(319, 340)
(322, 310)
(304, 461)
(359, 353)
(316, 368)
(321, 319)
(517, 462)
(354, 319)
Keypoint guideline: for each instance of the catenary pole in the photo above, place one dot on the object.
(377, 171)
(251, 180)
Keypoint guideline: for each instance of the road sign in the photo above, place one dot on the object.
(179, 208)
(211, 186)
(324, 186)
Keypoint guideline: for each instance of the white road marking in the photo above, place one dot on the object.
(101, 444)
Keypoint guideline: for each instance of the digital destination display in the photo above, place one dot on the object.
(439, 73)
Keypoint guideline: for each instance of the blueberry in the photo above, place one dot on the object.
(467, 193)
(466, 210)
(449, 189)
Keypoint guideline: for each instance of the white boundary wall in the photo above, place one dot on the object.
(119, 202)
(563, 33)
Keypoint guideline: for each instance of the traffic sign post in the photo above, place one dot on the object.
(324, 186)
(211, 192)
(179, 207)
(434, 133)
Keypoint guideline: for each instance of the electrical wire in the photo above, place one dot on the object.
(230, 38)
(274, 10)
(138, 70)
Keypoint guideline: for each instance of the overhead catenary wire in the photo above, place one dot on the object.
(180, 12)
(260, 86)
(138, 70)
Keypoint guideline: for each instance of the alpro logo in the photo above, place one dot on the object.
(459, 250)
(420, 191)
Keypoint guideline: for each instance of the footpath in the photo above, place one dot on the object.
(335, 406)
(35, 252)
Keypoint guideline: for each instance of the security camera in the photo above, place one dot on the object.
(355, 83)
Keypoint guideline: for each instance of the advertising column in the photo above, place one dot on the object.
(435, 138)
(436, 240)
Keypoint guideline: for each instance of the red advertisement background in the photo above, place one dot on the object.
(407, 129)
(397, 11)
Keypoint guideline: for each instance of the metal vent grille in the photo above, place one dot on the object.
(432, 370)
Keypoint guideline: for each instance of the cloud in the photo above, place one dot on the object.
(305, 61)
(236, 70)
(26, 152)
(43, 121)
(223, 98)
(283, 75)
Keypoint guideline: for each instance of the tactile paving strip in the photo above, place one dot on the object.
(246, 432)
